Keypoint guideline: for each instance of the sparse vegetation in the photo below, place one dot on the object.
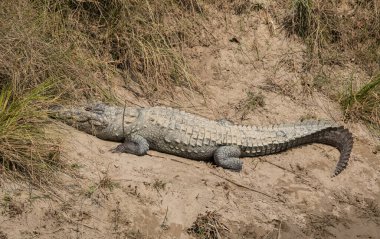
(342, 34)
(107, 182)
(251, 102)
(208, 226)
(321, 81)
(308, 116)
(339, 33)
(319, 226)
(365, 103)
(364, 207)
(90, 191)
(159, 185)
(11, 207)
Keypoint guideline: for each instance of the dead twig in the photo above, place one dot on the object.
(55, 231)
(164, 224)
(248, 188)
(279, 231)
(280, 167)
(229, 180)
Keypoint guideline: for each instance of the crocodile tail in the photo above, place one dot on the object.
(341, 139)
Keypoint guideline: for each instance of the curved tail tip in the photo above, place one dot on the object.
(345, 141)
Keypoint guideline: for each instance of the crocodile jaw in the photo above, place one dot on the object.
(98, 120)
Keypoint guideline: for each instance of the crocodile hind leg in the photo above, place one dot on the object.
(228, 157)
(134, 144)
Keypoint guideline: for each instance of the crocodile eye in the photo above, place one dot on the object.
(97, 108)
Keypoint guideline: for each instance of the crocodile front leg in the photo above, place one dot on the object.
(228, 157)
(133, 144)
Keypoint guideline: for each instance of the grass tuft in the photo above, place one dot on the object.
(252, 102)
(25, 149)
(208, 226)
(364, 104)
(302, 17)
(159, 185)
(338, 33)
(315, 22)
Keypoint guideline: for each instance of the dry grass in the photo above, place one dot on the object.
(159, 185)
(238, 7)
(81, 46)
(37, 45)
(338, 33)
(208, 226)
(11, 207)
(316, 22)
(341, 34)
(140, 40)
(252, 102)
(364, 103)
(25, 149)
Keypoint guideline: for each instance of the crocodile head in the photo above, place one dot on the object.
(103, 121)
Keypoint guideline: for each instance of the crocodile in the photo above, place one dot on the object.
(176, 132)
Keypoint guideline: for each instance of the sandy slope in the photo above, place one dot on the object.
(289, 195)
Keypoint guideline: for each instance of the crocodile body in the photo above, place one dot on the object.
(187, 135)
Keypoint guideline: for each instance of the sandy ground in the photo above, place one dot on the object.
(288, 195)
